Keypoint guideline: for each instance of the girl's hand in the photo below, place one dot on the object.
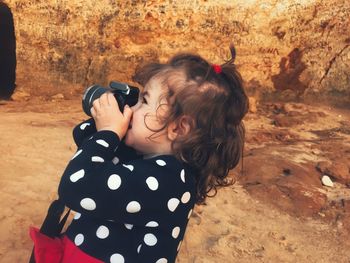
(107, 115)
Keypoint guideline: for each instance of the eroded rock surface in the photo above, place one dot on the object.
(297, 48)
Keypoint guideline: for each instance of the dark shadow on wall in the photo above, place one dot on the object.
(7, 52)
(291, 68)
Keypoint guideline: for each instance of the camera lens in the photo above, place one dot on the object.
(92, 93)
(123, 93)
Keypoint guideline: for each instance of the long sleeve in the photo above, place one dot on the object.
(132, 192)
(84, 131)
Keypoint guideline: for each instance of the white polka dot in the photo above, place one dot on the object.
(84, 125)
(152, 183)
(182, 175)
(173, 203)
(178, 247)
(161, 162)
(97, 159)
(176, 231)
(115, 160)
(189, 214)
(162, 260)
(91, 137)
(150, 239)
(77, 216)
(77, 175)
(117, 258)
(129, 226)
(139, 248)
(88, 204)
(152, 224)
(133, 207)
(129, 166)
(102, 232)
(114, 182)
(186, 197)
(79, 239)
(77, 153)
(103, 143)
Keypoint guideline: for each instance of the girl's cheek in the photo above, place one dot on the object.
(135, 118)
(136, 106)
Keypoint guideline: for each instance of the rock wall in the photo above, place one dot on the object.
(285, 47)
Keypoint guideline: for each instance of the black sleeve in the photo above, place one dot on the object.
(87, 128)
(83, 130)
(132, 192)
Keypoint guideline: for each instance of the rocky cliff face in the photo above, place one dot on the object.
(286, 47)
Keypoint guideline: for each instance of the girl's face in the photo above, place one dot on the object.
(146, 118)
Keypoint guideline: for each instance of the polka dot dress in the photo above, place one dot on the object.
(128, 209)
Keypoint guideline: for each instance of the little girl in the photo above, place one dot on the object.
(137, 175)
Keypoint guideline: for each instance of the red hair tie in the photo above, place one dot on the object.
(217, 68)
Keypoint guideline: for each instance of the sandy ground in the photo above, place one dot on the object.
(235, 226)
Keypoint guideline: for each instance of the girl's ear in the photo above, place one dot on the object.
(179, 128)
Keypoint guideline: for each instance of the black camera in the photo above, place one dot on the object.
(125, 94)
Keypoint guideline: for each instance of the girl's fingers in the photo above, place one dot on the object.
(93, 112)
(111, 100)
(96, 104)
(127, 113)
(103, 99)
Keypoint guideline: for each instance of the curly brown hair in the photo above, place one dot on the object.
(216, 103)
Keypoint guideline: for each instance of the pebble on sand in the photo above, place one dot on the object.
(327, 181)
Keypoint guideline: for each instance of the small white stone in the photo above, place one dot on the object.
(58, 96)
(327, 181)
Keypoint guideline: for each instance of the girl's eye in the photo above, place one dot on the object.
(144, 100)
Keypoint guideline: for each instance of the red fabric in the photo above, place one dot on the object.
(57, 250)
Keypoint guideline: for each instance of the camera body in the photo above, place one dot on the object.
(125, 94)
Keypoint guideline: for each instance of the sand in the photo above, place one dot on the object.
(234, 226)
